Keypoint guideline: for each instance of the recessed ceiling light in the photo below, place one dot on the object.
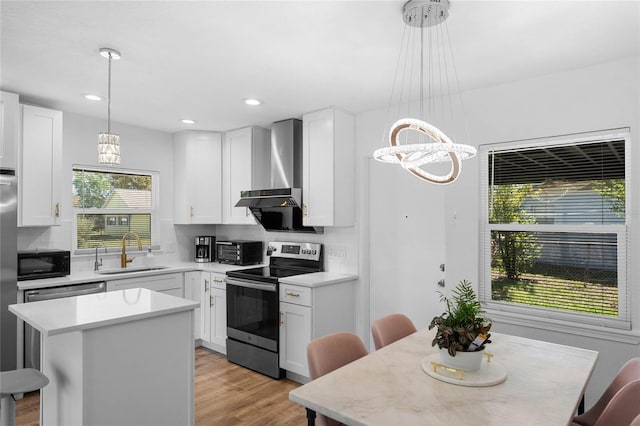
(92, 97)
(188, 121)
(252, 101)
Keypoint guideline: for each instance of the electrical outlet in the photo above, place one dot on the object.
(336, 252)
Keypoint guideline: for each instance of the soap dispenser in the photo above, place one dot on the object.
(149, 260)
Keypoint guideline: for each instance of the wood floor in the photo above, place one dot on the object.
(225, 394)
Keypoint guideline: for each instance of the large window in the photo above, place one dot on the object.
(108, 204)
(554, 231)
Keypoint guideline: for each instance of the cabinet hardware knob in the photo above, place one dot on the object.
(293, 294)
(191, 211)
(281, 322)
(246, 211)
(206, 285)
(57, 209)
(304, 209)
(212, 301)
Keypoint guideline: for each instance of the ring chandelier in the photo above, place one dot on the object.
(439, 148)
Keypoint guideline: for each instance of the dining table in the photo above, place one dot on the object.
(521, 381)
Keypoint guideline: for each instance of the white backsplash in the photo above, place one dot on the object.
(176, 243)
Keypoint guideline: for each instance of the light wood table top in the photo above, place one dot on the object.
(544, 385)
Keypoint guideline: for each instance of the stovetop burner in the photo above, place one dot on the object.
(271, 272)
(285, 260)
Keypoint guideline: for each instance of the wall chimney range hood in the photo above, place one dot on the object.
(279, 208)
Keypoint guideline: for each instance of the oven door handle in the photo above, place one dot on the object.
(252, 284)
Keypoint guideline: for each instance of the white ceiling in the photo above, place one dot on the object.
(199, 59)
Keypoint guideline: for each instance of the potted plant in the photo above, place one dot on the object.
(463, 330)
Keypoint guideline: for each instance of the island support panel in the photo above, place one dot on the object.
(135, 373)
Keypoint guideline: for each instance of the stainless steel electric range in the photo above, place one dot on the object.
(253, 313)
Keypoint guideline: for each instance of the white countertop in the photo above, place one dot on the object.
(68, 314)
(318, 279)
(91, 276)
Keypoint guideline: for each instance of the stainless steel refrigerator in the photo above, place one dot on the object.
(8, 268)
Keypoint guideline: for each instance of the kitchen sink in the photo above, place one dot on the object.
(129, 270)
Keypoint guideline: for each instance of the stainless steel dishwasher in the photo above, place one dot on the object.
(31, 335)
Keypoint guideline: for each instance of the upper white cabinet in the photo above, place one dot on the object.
(9, 130)
(197, 188)
(328, 163)
(246, 162)
(40, 167)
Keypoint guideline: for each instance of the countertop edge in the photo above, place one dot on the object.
(91, 276)
(318, 279)
(181, 305)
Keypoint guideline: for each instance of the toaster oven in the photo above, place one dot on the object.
(239, 252)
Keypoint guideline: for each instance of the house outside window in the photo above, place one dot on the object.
(110, 203)
(554, 228)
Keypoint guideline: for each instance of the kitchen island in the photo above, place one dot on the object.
(124, 357)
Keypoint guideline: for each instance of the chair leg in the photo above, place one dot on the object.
(8, 411)
(581, 406)
(311, 417)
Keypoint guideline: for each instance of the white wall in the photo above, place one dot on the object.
(595, 98)
(141, 149)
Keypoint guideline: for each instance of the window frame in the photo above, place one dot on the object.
(153, 211)
(540, 316)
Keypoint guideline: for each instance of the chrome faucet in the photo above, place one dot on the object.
(123, 256)
(96, 264)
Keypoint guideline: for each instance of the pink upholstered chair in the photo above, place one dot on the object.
(387, 330)
(623, 408)
(627, 374)
(329, 353)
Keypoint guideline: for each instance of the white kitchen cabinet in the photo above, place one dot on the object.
(295, 334)
(214, 311)
(246, 165)
(328, 164)
(40, 167)
(172, 284)
(9, 130)
(197, 160)
(192, 285)
(307, 313)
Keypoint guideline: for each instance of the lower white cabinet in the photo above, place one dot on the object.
(192, 284)
(213, 304)
(295, 333)
(307, 313)
(172, 284)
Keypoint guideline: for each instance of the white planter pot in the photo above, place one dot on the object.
(467, 361)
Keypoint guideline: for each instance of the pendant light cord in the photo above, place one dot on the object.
(109, 98)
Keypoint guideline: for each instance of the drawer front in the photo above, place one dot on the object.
(295, 294)
(217, 281)
(155, 282)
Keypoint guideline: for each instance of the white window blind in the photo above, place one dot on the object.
(554, 234)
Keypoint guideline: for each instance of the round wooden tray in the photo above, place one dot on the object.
(490, 373)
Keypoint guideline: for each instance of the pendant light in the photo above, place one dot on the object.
(420, 17)
(109, 143)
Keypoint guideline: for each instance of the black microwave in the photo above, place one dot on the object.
(39, 264)
(239, 252)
